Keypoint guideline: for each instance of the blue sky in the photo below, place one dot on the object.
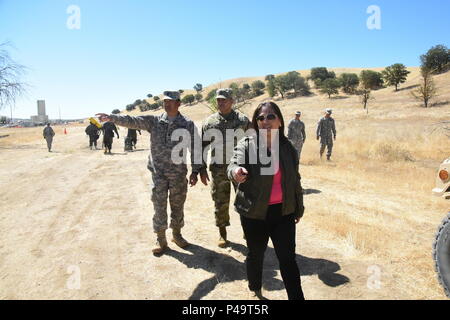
(127, 49)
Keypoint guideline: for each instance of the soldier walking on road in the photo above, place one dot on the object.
(48, 135)
(94, 133)
(108, 135)
(326, 130)
(169, 178)
(225, 119)
(296, 133)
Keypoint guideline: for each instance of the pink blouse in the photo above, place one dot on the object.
(276, 196)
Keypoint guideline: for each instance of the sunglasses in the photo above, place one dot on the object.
(268, 117)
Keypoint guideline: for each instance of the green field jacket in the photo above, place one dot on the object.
(253, 195)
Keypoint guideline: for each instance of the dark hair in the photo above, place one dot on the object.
(275, 109)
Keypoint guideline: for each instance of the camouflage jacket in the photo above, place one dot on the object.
(161, 144)
(253, 195)
(296, 131)
(217, 121)
(326, 128)
(48, 132)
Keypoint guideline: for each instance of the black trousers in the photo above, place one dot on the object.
(93, 140)
(107, 142)
(281, 229)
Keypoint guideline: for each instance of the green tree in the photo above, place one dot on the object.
(240, 95)
(258, 87)
(245, 92)
(235, 91)
(271, 90)
(211, 95)
(371, 79)
(330, 87)
(115, 111)
(427, 89)
(198, 87)
(364, 96)
(149, 95)
(395, 74)
(198, 97)
(154, 106)
(234, 87)
(188, 99)
(298, 84)
(320, 74)
(130, 107)
(181, 91)
(437, 59)
(349, 82)
(292, 80)
(156, 98)
(281, 84)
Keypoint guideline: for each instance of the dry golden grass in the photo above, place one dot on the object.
(381, 207)
(33, 135)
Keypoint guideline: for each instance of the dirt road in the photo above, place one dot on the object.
(76, 224)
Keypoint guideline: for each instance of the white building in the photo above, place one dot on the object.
(41, 117)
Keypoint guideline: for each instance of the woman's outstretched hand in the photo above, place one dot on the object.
(240, 175)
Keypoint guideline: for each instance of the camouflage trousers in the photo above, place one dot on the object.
(174, 185)
(220, 192)
(328, 143)
(298, 146)
(49, 142)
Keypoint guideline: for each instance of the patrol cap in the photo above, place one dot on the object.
(329, 111)
(171, 95)
(298, 113)
(224, 93)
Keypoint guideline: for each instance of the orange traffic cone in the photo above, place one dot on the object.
(65, 131)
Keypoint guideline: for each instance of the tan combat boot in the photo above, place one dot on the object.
(161, 243)
(223, 237)
(178, 238)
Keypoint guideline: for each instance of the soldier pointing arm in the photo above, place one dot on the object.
(168, 177)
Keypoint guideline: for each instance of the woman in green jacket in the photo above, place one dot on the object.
(269, 197)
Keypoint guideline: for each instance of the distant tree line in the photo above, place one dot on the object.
(292, 84)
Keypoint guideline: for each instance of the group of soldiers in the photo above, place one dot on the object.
(326, 132)
(108, 129)
(169, 178)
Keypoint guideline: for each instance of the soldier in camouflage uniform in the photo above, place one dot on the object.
(296, 133)
(225, 119)
(326, 129)
(167, 176)
(48, 136)
(133, 136)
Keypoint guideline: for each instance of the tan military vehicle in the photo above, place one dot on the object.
(441, 246)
